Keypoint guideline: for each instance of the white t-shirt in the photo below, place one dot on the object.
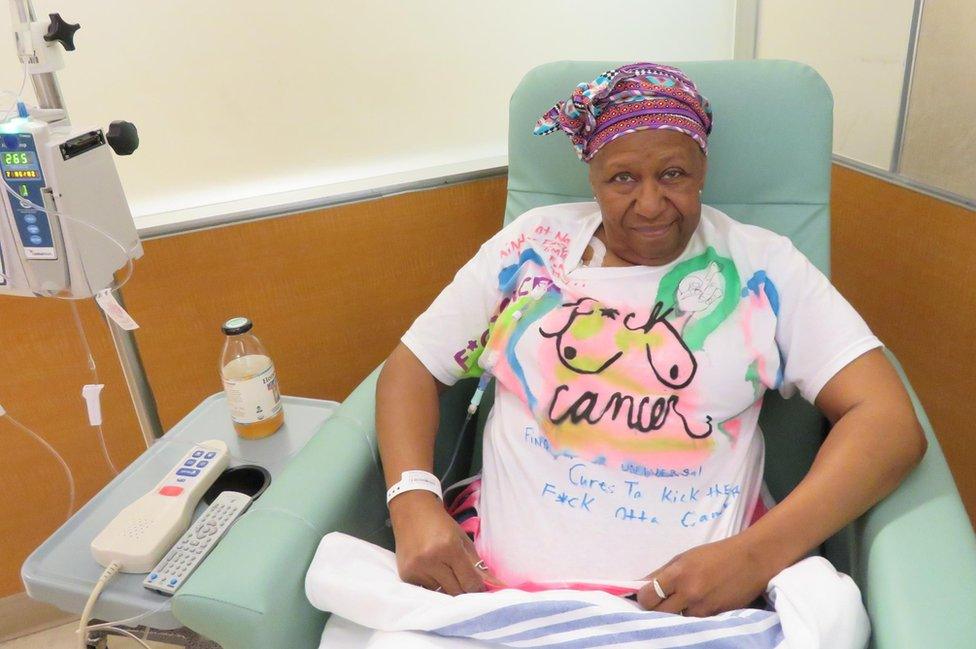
(624, 429)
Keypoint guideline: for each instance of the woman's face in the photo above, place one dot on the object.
(647, 184)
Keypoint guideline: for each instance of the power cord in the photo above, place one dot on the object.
(84, 627)
(127, 633)
(107, 625)
(107, 576)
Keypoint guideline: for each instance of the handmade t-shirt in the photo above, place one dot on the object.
(625, 423)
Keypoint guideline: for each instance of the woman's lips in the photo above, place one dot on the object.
(653, 232)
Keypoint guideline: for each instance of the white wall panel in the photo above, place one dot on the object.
(238, 99)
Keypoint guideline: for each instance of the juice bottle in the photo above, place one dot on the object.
(250, 382)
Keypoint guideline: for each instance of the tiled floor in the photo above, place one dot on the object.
(63, 637)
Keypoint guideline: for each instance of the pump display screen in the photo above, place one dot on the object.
(19, 164)
(19, 158)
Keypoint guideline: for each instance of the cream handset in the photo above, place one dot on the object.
(139, 536)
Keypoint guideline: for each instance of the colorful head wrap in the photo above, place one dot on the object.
(631, 98)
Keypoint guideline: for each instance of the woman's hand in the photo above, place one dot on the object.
(707, 580)
(431, 549)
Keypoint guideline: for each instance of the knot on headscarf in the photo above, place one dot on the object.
(630, 98)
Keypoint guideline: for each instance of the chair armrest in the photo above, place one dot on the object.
(916, 560)
(249, 593)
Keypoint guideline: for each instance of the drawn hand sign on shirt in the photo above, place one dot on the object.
(700, 289)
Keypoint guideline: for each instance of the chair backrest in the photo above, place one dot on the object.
(769, 150)
(768, 165)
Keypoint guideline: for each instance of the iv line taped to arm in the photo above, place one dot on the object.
(487, 361)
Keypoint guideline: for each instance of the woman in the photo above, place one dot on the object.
(632, 340)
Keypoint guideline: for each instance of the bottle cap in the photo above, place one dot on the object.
(236, 326)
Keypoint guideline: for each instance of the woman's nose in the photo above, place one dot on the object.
(650, 199)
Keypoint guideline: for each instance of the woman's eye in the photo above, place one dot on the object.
(673, 173)
(623, 177)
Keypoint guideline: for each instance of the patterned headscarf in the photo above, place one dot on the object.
(631, 98)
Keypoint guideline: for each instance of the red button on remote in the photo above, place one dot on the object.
(171, 491)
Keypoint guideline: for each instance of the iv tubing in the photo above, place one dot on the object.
(472, 408)
(64, 465)
(94, 371)
(488, 365)
(16, 96)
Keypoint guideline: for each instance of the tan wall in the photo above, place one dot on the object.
(904, 260)
(43, 368)
(331, 290)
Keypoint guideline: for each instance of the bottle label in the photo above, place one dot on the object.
(254, 399)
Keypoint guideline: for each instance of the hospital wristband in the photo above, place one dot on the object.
(413, 480)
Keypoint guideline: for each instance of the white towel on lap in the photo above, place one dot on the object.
(815, 606)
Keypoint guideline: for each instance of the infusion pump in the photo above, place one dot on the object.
(48, 175)
(65, 226)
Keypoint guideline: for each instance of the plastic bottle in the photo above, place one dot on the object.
(250, 382)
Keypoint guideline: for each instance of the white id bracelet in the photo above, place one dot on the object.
(412, 480)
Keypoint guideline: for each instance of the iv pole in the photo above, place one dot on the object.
(49, 96)
(135, 378)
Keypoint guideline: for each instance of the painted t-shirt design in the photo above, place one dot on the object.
(627, 401)
(611, 383)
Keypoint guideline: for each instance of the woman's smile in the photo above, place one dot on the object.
(654, 232)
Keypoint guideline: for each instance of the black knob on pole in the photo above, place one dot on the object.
(62, 31)
(123, 137)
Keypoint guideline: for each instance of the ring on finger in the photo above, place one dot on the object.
(657, 589)
(481, 565)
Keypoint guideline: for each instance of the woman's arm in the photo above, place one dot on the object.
(873, 444)
(407, 414)
(875, 440)
(431, 549)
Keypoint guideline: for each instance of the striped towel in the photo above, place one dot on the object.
(815, 606)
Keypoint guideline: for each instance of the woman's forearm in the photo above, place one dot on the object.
(407, 415)
(431, 549)
(866, 455)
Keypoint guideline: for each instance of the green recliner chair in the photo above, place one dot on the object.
(913, 555)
